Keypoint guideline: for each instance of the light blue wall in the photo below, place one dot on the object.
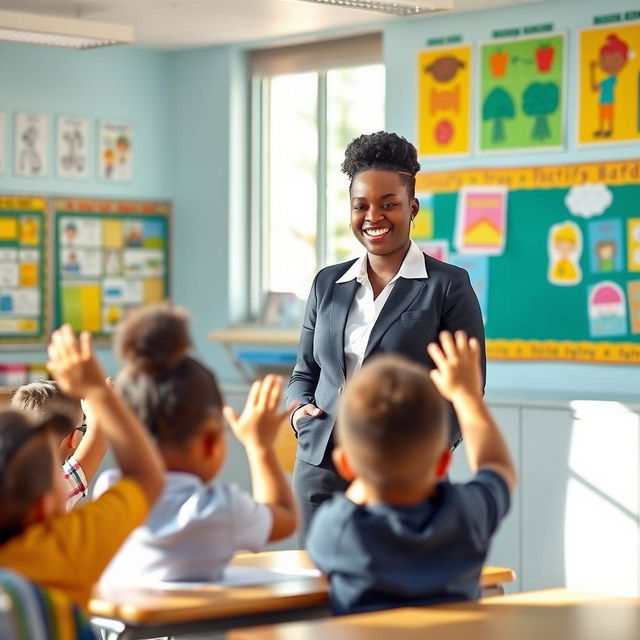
(115, 83)
(402, 41)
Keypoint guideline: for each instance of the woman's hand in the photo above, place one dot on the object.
(306, 410)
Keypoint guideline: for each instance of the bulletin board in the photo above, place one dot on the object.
(559, 278)
(22, 269)
(109, 257)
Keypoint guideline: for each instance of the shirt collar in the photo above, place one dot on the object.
(413, 266)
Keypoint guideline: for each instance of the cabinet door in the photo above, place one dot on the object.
(580, 498)
(505, 550)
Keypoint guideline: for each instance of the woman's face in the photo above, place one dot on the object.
(381, 211)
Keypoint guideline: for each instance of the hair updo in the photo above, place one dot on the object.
(170, 392)
(385, 152)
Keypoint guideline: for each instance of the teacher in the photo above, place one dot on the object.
(394, 299)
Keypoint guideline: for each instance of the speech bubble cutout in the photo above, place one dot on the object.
(588, 200)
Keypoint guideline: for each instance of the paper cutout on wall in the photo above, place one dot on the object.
(609, 95)
(606, 248)
(72, 147)
(115, 155)
(588, 200)
(31, 151)
(478, 269)
(522, 93)
(633, 296)
(565, 250)
(3, 129)
(423, 223)
(607, 310)
(481, 220)
(438, 249)
(444, 101)
(633, 244)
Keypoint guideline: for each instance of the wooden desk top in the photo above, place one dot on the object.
(552, 615)
(257, 335)
(140, 605)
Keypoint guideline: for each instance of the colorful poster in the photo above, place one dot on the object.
(111, 256)
(444, 101)
(3, 133)
(607, 310)
(606, 250)
(72, 147)
(633, 244)
(478, 269)
(115, 151)
(438, 249)
(633, 296)
(481, 220)
(423, 222)
(609, 94)
(31, 152)
(522, 94)
(565, 250)
(22, 276)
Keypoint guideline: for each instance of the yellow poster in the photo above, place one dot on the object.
(609, 106)
(444, 101)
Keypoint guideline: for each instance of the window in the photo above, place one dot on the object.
(308, 103)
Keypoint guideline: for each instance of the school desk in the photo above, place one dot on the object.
(125, 613)
(545, 615)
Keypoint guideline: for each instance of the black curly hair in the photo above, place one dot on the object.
(384, 151)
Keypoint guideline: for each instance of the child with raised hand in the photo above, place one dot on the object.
(198, 523)
(403, 534)
(82, 448)
(69, 551)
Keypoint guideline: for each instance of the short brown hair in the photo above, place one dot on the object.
(392, 422)
(42, 398)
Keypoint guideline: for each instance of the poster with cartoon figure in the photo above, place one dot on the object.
(522, 93)
(565, 251)
(607, 310)
(444, 101)
(31, 153)
(609, 95)
(72, 142)
(633, 296)
(633, 244)
(115, 154)
(605, 245)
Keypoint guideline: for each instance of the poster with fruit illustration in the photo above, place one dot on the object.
(522, 94)
(609, 74)
(444, 101)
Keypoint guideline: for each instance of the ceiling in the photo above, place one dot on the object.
(177, 24)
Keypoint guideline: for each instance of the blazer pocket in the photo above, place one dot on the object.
(415, 316)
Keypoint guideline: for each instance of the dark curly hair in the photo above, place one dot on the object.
(384, 151)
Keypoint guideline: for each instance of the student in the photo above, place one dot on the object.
(198, 523)
(404, 535)
(38, 540)
(82, 448)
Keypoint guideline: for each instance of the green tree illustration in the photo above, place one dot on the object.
(497, 106)
(540, 100)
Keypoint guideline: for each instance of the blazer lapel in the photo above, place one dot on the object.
(403, 294)
(343, 294)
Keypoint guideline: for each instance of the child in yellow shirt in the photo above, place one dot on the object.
(69, 551)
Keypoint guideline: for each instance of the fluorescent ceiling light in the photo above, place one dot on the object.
(398, 8)
(61, 32)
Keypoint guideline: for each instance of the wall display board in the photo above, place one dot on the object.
(566, 282)
(609, 72)
(522, 93)
(110, 256)
(22, 269)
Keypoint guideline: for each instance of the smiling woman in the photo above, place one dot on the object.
(394, 299)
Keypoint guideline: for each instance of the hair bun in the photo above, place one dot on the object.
(153, 339)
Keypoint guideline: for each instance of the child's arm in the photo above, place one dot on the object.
(257, 429)
(458, 379)
(93, 445)
(74, 366)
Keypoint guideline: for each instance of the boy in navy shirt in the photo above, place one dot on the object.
(404, 535)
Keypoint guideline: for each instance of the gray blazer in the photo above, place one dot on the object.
(415, 313)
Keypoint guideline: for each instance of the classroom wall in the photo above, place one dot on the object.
(114, 83)
(402, 41)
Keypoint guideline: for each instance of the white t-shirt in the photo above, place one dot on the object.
(191, 533)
